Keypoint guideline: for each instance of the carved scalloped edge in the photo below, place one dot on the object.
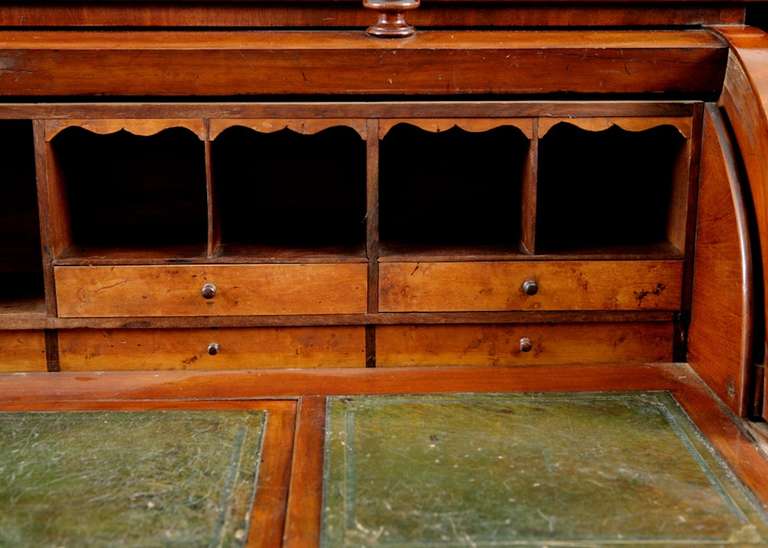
(306, 126)
(140, 127)
(473, 125)
(682, 125)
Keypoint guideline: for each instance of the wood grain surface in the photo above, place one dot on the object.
(720, 334)
(255, 348)
(241, 290)
(595, 285)
(215, 63)
(22, 351)
(495, 345)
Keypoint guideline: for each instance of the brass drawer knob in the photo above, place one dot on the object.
(208, 291)
(391, 22)
(213, 349)
(526, 344)
(530, 287)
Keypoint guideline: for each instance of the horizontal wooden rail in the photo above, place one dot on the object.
(346, 110)
(61, 63)
(350, 13)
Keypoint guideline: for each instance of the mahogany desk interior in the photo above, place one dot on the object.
(212, 205)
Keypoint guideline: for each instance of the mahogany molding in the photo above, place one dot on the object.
(302, 126)
(187, 385)
(683, 125)
(469, 108)
(475, 125)
(139, 127)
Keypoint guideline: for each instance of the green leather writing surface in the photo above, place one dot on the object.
(160, 478)
(527, 469)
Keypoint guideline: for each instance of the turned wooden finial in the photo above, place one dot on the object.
(391, 23)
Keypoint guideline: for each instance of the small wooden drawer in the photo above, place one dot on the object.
(221, 290)
(530, 285)
(211, 349)
(22, 351)
(504, 345)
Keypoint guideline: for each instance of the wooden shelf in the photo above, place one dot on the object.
(23, 313)
(656, 251)
(262, 253)
(447, 253)
(295, 191)
(394, 252)
(223, 254)
(23, 304)
(102, 255)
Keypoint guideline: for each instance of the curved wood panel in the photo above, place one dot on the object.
(303, 126)
(745, 100)
(135, 126)
(474, 125)
(720, 336)
(683, 125)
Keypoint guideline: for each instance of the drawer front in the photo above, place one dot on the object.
(22, 351)
(503, 345)
(499, 286)
(233, 290)
(252, 348)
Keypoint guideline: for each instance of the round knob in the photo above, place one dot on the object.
(526, 345)
(213, 349)
(208, 291)
(530, 287)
